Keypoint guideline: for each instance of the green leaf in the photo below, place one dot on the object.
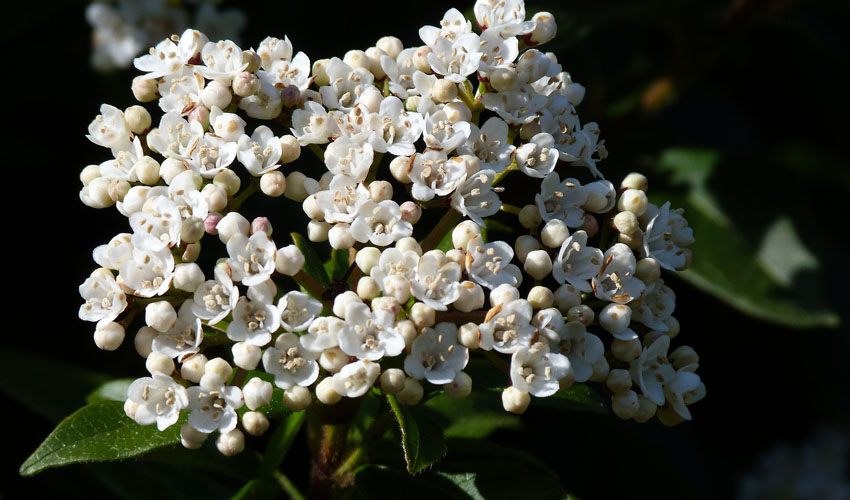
(374, 481)
(259, 488)
(312, 262)
(280, 442)
(338, 264)
(475, 416)
(486, 479)
(581, 397)
(97, 433)
(757, 279)
(421, 441)
(114, 390)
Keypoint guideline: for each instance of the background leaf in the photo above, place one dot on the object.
(421, 440)
(313, 265)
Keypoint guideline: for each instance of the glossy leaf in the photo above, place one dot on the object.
(421, 440)
(114, 390)
(313, 265)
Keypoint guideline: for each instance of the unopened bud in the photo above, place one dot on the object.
(411, 392)
(246, 84)
(460, 387)
(297, 398)
(625, 405)
(109, 336)
(138, 119)
(392, 380)
(255, 423)
(145, 89)
(514, 400)
(529, 216)
(192, 368)
(230, 443)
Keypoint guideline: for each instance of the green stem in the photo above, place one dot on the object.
(312, 286)
(327, 437)
(373, 170)
(320, 154)
(244, 195)
(446, 224)
(511, 209)
(497, 361)
(288, 487)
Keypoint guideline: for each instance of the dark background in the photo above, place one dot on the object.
(746, 78)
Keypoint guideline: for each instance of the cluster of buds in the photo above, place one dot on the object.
(402, 134)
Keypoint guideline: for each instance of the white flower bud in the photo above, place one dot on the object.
(646, 409)
(471, 297)
(411, 392)
(333, 359)
(255, 423)
(545, 28)
(625, 405)
(668, 416)
(626, 222)
(261, 225)
(297, 398)
(246, 356)
(295, 186)
(635, 180)
(633, 241)
(399, 169)
(460, 387)
(231, 224)
(503, 79)
(554, 233)
(525, 244)
(325, 392)
(130, 408)
(290, 149)
(89, 173)
(147, 170)
(144, 89)
(541, 297)
(538, 264)
(171, 168)
(356, 59)
(229, 181)
(625, 350)
(317, 232)
(619, 381)
(407, 330)
(600, 370)
(288, 260)
(420, 59)
(192, 230)
(443, 90)
(456, 111)
(159, 362)
(109, 336)
(647, 270)
(409, 243)
(374, 55)
(273, 183)
(257, 393)
(320, 73)
(410, 211)
(633, 200)
(567, 297)
(673, 327)
(529, 216)
(215, 196)
(469, 335)
(422, 315)
(683, 356)
(230, 443)
(503, 294)
(575, 94)
(380, 191)
(216, 94)
(192, 438)
(514, 400)
(581, 313)
(143, 340)
(340, 237)
(456, 256)
(96, 193)
(218, 367)
(200, 114)
(118, 189)
(245, 84)
(615, 318)
(392, 380)
(192, 368)
(463, 233)
(391, 45)
(367, 258)
(412, 103)
(651, 336)
(137, 118)
(341, 302)
(368, 288)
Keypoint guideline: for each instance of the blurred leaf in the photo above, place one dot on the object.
(580, 397)
(758, 282)
(96, 433)
(338, 264)
(377, 481)
(490, 479)
(313, 265)
(207, 458)
(260, 488)
(48, 387)
(421, 441)
(136, 480)
(114, 390)
(475, 416)
(280, 442)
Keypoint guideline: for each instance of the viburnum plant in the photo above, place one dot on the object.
(428, 152)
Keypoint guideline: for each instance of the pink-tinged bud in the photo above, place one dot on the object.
(210, 223)
(245, 84)
(261, 224)
(291, 96)
(590, 225)
(201, 115)
(411, 212)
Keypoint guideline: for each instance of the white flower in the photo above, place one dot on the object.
(115, 253)
(251, 258)
(223, 60)
(394, 129)
(437, 281)
(509, 329)
(436, 355)
(291, 72)
(159, 399)
(455, 59)
(356, 124)
(184, 337)
(394, 262)
(311, 125)
(213, 405)
(341, 201)
(254, 322)
(582, 146)
(435, 175)
(109, 129)
(323, 333)
(369, 335)
(400, 72)
(266, 103)
(651, 370)
(538, 157)
(537, 371)
(451, 27)
(655, 305)
(354, 379)
(517, 106)
(685, 388)
(561, 200)
(123, 166)
(344, 157)
(498, 50)
(549, 324)
(615, 281)
(476, 198)
(297, 311)
(185, 195)
(261, 152)
(505, 16)
(346, 85)
(486, 263)
(442, 134)
(380, 223)
(490, 144)
(583, 349)
(103, 298)
(291, 363)
(158, 226)
(180, 91)
(577, 263)
(665, 236)
(164, 59)
(272, 49)
(148, 273)
(214, 299)
(211, 155)
(175, 137)
(228, 126)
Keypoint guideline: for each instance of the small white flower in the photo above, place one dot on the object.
(583, 349)
(103, 298)
(369, 335)
(251, 258)
(509, 329)
(486, 263)
(148, 273)
(213, 405)
(211, 155)
(291, 363)
(184, 337)
(159, 399)
(223, 60)
(665, 236)
(444, 135)
(561, 200)
(437, 281)
(109, 129)
(346, 85)
(271, 49)
(394, 262)
(455, 59)
(394, 129)
(452, 26)
(549, 324)
(577, 263)
(228, 126)
(655, 305)
(291, 72)
(518, 106)
(537, 371)
(684, 389)
(505, 16)
(115, 253)
(341, 201)
(354, 379)
(476, 198)
(436, 355)
(266, 103)
(652, 370)
(344, 157)
(175, 137)
(180, 92)
(254, 322)
(261, 152)
(380, 223)
(615, 281)
(497, 50)
(490, 144)
(214, 299)
(123, 166)
(323, 333)
(297, 310)
(157, 227)
(538, 157)
(435, 175)
(312, 125)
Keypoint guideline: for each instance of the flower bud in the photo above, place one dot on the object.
(200, 114)
(297, 398)
(290, 96)
(391, 45)
(529, 130)
(668, 416)
(257, 393)
(340, 237)
(615, 318)
(89, 173)
(192, 230)
(143, 340)
(647, 270)
(554, 233)
(503, 79)
(144, 89)
(471, 297)
(443, 90)
(333, 359)
(456, 256)
(273, 183)
(625, 350)
(575, 93)
(545, 29)
(411, 392)
(356, 59)
(109, 336)
(160, 315)
(581, 313)
(463, 233)
(341, 302)
(325, 392)
(380, 191)
(192, 368)
(367, 258)
(422, 315)
(230, 443)
(524, 245)
(412, 103)
(216, 95)
(399, 169)
(368, 288)
(407, 330)
(589, 225)
(171, 168)
(635, 180)
(409, 243)
(618, 381)
(147, 170)
(469, 336)
(538, 264)
(541, 297)
(229, 181)
(288, 260)
(159, 362)
(295, 189)
(192, 438)
(633, 200)
(567, 297)
(255, 423)
(626, 222)
(215, 196)
(683, 356)
(245, 355)
(410, 211)
(231, 224)
(219, 367)
(138, 119)
(651, 336)
(456, 111)
(503, 294)
(317, 232)
(600, 370)
(392, 380)
(633, 241)
(515, 401)
(460, 387)
(625, 405)
(646, 409)
(118, 189)
(320, 73)
(529, 217)
(374, 55)
(245, 84)
(290, 149)
(672, 327)
(420, 59)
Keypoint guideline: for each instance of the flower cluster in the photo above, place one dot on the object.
(403, 134)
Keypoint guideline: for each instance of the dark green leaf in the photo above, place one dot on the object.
(475, 416)
(97, 433)
(486, 479)
(114, 390)
(338, 264)
(137, 480)
(280, 441)
(378, 482)
(581, 397)
(256, 489)
(312, 262)
(421, 441)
